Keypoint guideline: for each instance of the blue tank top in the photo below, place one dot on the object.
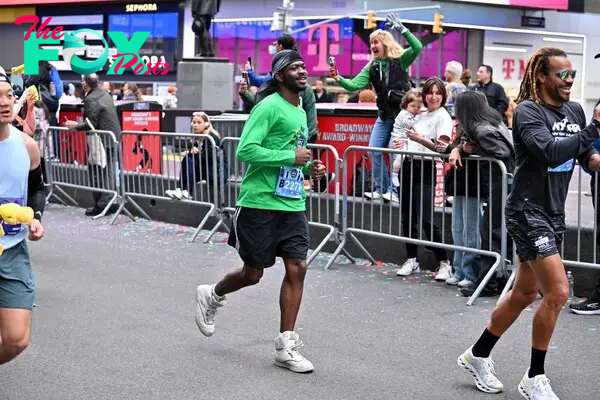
(14, 173)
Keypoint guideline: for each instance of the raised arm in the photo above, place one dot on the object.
(410, 54)
(359, 82)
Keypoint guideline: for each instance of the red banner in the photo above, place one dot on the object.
(73, 145)
(342, 132)
(141, 153)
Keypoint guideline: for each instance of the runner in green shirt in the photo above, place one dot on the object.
(270, 220)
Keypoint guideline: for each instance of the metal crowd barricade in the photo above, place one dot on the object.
(89, 161)
(170, 166)
(586, 220)
(581, 212)
(229, 125)
(47, 157)
(323, 206)
(366, 217)
(231, 174)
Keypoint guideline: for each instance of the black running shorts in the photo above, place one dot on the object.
(536, 233)
(260, 236)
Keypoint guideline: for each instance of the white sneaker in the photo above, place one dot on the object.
(389, 196)
(372, 195)
(185, 194)
(207, 305)
(452, 281)
(465, 283)
(536, 388)
(444, 272)
(411, 265)
(174, 194)
(287, 355)
(482, 370)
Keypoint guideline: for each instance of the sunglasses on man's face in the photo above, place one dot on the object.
(564, 74)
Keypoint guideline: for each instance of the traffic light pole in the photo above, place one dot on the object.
(389, 10)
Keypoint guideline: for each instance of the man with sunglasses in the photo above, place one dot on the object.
(549, 133)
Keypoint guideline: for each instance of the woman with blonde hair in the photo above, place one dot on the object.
(196, 164)
(388, 73)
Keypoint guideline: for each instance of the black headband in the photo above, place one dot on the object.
(284, 58)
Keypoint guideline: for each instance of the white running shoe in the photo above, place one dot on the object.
(390, 196)
(482, 370)
(287, 355)
(465, 283)
(536, 388)
(444, 272)
(207, 305)
(174, 194)
(372, 195)
(411, 265)
(452, 281)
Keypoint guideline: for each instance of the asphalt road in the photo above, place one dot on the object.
(115, 321)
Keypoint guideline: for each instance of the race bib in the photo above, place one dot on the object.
(290, 183)
(564, 167)
(11, 230)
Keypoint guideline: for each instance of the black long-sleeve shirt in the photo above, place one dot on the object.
(547, 140)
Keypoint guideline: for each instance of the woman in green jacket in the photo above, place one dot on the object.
(388, 73)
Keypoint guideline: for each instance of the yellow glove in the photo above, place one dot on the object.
(12, 214)
(17, 70)
(33, 92)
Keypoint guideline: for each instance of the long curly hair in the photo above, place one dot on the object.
(393, 49)
(539, 63)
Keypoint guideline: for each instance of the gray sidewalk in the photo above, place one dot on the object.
(116, 321)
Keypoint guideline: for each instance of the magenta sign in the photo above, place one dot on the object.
(322, 48)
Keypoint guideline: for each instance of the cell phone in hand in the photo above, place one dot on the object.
(250, 63)
(245, 75)
(331, 63)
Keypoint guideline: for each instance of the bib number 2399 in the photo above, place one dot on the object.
(290, 183)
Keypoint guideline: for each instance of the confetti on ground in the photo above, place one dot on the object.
(593, 329)
(553, 347)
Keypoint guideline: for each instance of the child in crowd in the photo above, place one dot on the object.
(411, 105)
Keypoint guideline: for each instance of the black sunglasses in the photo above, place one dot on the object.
(565, 73)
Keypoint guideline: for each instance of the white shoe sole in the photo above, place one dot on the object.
(475, 375)
(293, 368)
(441, 280)
(207, 330)
(522, 391)
(581, 312)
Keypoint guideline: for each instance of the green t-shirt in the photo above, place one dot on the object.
(273, 131)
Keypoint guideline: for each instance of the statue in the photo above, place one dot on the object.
(203, 11)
